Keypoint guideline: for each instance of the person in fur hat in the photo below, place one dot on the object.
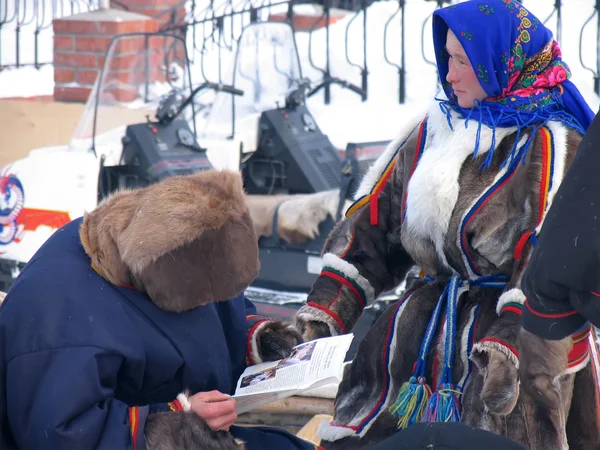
(462, 193)
(128, 329)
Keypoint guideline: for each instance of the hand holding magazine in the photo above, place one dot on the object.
(310, 365)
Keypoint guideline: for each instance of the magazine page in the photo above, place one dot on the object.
(310, 365)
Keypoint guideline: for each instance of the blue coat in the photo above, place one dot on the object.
(80, 358)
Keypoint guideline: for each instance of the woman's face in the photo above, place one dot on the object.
(461, 75)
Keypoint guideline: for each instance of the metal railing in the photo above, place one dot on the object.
(213, 28)
(32, 19)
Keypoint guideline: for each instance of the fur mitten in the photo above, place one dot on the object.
(272, 340)
(542, 363)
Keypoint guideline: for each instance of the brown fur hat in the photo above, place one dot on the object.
(185, 241)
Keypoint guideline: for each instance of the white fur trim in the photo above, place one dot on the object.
(349, 271)
(513, 295)
(329, 432)
(375, 172)
(464, 347)
(559, 139)
(434, 186)
(184, 401)
(2, 295)
(309, 313)
(576, 368)
(254, 343)
(488, 346)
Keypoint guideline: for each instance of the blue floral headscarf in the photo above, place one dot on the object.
(518, 64)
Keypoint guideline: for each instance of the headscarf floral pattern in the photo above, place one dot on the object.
(517, 62)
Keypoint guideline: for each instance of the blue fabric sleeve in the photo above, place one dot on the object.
(64, 399)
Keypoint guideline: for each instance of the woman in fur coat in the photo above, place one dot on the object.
(129, 327)
(461, 193)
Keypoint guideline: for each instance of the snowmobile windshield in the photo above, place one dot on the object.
(139, 70)
(266, 67)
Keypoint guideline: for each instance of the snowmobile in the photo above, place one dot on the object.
(143, 122)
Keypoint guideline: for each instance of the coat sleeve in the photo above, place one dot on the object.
(562, 281)
(363, 256)
(64, 399)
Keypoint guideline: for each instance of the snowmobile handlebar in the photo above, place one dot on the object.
(334, 80)
(168, 110)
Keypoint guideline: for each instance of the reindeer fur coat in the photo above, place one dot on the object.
(427, 202)
(120, 312)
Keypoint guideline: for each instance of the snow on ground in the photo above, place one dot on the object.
(347, 118)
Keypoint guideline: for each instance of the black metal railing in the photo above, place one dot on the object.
(32, 19)
(216, 27)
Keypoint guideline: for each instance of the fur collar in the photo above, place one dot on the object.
(185, 241)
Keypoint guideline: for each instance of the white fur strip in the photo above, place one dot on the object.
(329, 432)
(465, 346)
(2, 295)
(488, 346)
(351, 272)
(184, 401)
(309, 313)
(559, 140)
(576, 368)
(514, 295)
(376, 170)
(254, 343)
(434, 186)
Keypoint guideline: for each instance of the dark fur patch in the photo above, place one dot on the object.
(276, 340)
(185, 431)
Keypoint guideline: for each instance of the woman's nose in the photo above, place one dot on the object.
(451, 76)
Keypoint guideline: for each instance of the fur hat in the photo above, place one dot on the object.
(185, 241)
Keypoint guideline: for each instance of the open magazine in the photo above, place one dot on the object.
(310, 365)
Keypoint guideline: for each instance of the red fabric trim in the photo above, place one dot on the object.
(128, 287)
(331, 314)
(549, 316)
(374, 199)
(414, 165)
(521, 245)
(134, 425)
(249, 336)
(596, 294)
(175, 406)
(512, 309)
(347, 283)
(502, 343)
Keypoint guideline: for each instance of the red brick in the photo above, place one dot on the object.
(63, 75)
(64, 26)
(86, 76)
(92, 44)
(126, 61)
(304, 22)
(75, 59)
(63, 42)
(135, 5)
(122, 95)
(133, 26)
(71, 94)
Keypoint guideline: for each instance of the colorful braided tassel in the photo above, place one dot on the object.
(411, 405)
(444, 405)
(412, 402)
